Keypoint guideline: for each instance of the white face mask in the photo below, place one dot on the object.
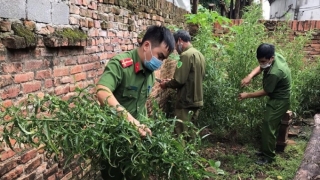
(264, 66)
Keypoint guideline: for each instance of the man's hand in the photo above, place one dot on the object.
(144, 130)
(163, 83)
(245, 81)
(243, 96)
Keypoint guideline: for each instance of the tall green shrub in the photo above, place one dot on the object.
(231, 57)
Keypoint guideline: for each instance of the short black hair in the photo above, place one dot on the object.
(265, 50)
(158, 34)
(184, 35)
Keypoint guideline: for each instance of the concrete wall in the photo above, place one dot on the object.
(295, 10)
(45, 11)
(58, 66)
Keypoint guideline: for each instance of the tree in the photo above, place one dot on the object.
(232, 9)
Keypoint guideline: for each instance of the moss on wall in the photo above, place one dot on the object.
(74, 35)
(22, 31)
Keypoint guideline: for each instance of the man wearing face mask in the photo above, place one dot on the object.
(187, 79)
(276, 85)
(127, 82)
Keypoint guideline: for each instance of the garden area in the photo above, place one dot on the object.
(227, 131)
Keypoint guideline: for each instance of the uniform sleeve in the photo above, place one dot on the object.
(270, 83)
(181, 74)
(112, 75)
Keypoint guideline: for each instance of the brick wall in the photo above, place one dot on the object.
(41, 62)
(312, 48)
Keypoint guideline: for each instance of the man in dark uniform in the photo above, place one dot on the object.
(187, 79)
(128, 79)
(276, 85)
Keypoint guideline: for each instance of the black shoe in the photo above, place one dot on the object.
(263, 161)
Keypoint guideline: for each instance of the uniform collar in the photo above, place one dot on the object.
(188, 47)
(138, 66)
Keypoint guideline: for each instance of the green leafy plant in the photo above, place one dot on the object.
(79, 126)
(231, 56)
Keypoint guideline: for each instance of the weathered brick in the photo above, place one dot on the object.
(93, 58)
(87, 67)
(31, 176)
(33, 65)
(76, 69)
(19, 78)
(27, 156)
(8, 166)
(48, 83)
(111, 34)
(64, 71)
(5, 80)
(77, 2)
(10, 92)
(12, 67)
(83, 22)
(6, 103)
(5, 26)
(43, 74)
(13, 174)
(91, 50)
(103, 55)
(74, 9)
(115, 40)
(67, 176)
(92, 5)
(124, 47)
(66, 79)
(61, 90)
(33, 165)
(73, 20)
(52, 170)
(31, 25)
(80, 76)
(92, 74)
(7, 154)
(31, 86)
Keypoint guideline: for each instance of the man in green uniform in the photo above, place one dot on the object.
(187, 79)
(276, 85)
(127, 82)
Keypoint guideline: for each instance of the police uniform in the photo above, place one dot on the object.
(131, 85)
(277, 83)
(188, 80)
(129, 81)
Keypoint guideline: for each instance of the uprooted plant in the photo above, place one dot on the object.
(79, 126)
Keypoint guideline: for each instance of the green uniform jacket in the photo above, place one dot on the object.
(188, 79)
(277, 79)
(130, 85)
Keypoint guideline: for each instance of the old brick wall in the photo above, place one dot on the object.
(52, 64)
(312, 49)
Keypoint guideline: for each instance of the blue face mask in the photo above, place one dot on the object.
(153, 64)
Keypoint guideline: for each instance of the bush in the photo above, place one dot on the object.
(231, 57)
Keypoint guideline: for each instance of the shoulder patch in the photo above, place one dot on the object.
(126, 62)
(179, 64)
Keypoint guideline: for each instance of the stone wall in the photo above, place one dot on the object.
(54, 46)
